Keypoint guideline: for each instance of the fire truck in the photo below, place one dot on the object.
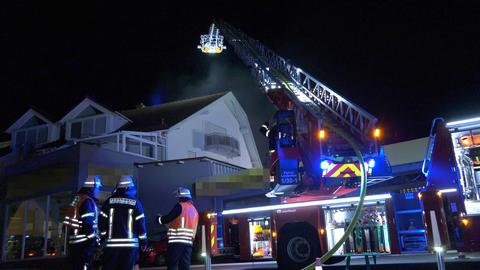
(450, 199)
(322, 147)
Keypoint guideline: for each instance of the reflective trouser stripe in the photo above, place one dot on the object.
(77, 236)
(180, 230)
(180, 241)
(130, 222)
(123, 240)
(72, 222)
(183, 229)
(91, 214)
(110, 223)
(78, 241)
(181, 238)
(74, 225)
(180, 233)
(122, 245)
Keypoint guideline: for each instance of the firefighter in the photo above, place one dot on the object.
(122, 227)
(81, 224)
(183, 221)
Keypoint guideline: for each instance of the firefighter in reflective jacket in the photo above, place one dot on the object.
(122, 227)
(81, 224)
(183, 221)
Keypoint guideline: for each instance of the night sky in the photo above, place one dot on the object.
(403, 62)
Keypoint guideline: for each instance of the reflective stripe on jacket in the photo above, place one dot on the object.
(184, 227)
(122, 222)
(82, 220)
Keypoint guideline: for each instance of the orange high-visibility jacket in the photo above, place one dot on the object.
(184, 227)
(82, 219)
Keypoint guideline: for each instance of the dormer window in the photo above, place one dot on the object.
(89, 122)
(88, 127)
(31, 137)
(90, 119)
(31, 130)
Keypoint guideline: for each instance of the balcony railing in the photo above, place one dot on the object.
(222, 144)
(149, 145)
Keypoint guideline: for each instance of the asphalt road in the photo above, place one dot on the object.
(413, 262)
(232, 266)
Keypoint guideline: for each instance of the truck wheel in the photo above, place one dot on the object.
(298, 247)
(160, 260)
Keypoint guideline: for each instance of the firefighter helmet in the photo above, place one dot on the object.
(125, 181)
(92, 181)
(182, 192)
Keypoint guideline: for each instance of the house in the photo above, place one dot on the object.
(48, 158)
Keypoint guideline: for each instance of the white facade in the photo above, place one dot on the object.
(222, 120)
(220, 130)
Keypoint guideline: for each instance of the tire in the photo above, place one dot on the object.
(298, 246)
(160, 260)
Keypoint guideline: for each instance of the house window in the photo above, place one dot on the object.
(42, 136)
(14, 234)
(20, 138)
(222, 144)
(133, 146)
(138, 145)
(100, 126)
(31, 137)
(34, 227)
(88, 127)
(147, 150)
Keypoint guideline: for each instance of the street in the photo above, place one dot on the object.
(233, 266)
(425, 261)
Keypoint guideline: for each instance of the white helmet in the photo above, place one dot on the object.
(182, 192)
(125, 181)
(92, 181)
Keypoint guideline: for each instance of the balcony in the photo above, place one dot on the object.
(222, 144)
(149, 145)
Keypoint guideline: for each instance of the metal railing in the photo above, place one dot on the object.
(149, 145)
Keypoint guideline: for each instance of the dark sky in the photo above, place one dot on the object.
(403, 62)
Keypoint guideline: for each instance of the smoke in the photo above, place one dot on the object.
(223, 73)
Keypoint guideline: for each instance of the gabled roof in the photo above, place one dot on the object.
(25, 118)
(87, 102)
(164, 116)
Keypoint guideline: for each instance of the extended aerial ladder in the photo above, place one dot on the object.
(272, 71)
(290, 88)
